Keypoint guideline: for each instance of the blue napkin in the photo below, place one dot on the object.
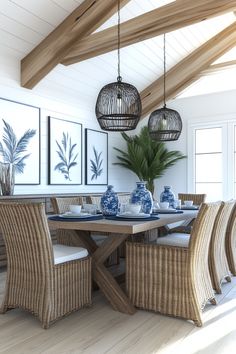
(168, 212)
(90, 218)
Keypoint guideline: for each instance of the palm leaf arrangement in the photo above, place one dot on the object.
(96, 164)
(147, 158)
(12, 149)
(66, 155)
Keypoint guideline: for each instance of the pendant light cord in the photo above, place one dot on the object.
(119, 78)
(164, 50)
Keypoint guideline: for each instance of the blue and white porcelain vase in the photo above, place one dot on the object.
(168, 196)
(143, 196)
(109, 202)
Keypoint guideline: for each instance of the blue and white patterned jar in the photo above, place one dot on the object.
(168, 196)
(109, 202)
(143, 196)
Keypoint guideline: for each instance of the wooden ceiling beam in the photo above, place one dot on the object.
(85, 19)
(167, 18)
(187, 70)
(218, 67)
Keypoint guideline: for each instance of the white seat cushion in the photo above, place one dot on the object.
(67, 253)
(175, 239)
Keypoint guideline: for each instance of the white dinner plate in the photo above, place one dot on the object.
(133, 216)
(73, 215)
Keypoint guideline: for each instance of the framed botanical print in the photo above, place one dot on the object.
(96, 160)
(65, 151)
(20, 140)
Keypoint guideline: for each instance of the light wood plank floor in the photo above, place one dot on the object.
(99, 330)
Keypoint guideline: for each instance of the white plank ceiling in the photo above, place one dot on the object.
(24, 23)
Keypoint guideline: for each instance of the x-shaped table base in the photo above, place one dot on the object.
(102, 276)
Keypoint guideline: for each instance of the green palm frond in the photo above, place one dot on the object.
(147, 158)
(11, 149)
(66, 156)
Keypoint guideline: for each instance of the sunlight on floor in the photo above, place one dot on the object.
(218, 324)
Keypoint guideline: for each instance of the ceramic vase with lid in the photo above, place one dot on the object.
(168, 196)
(143, 196)
(109, 202)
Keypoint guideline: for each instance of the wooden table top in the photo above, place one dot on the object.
(122, 226)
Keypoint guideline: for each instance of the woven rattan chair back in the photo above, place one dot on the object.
(27, 238)
(61, 205)
(201, 235)
(95, 199)
(230, 241)
(218, 264)
(199, 243)
(33, 282)
(197, 199)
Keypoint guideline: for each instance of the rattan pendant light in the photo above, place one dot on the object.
(165, 124)
(118, 106)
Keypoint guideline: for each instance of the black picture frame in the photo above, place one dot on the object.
(64, 152)
(96, 157)
(22, 122)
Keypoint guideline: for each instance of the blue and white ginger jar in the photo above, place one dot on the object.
(109, 202)
(143, 196)
(168, 196)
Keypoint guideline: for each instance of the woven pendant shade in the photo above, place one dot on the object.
(118, 107)
(165, 124)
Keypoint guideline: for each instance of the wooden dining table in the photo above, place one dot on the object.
(118, 231)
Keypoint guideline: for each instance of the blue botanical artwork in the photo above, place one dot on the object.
(13, 150)
(67, 156)
(65, 151)
(20, 140)
(96, 164)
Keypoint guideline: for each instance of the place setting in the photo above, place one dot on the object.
(165, 208)
(79, 213)
(188, 205)
(131, 212)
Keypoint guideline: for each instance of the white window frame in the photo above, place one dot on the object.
(227, 123)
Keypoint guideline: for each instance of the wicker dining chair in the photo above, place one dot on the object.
(218, 264)
(60, 206)
(173, 279)
(49, 281)
(230, 241)
(197, 199)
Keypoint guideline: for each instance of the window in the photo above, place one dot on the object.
(212, 160)
(208, 162)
